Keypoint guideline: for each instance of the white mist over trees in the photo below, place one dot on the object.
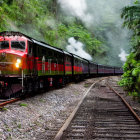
(94, 23)
(77, 8)
(102, 17)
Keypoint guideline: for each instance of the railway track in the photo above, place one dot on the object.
(101, 114)
(4, 102)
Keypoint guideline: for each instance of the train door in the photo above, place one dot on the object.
(55, 63)
(49, 66)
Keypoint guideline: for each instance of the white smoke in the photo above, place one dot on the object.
(76, 47)
(77, 8)
(123, 55)
(97, 15)
(93, 12)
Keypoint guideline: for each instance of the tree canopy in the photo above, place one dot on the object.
(131, 76)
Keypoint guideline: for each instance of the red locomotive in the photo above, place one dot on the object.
(27, 65)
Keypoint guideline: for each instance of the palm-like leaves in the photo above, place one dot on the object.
(131, 17)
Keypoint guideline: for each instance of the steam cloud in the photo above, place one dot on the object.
(76, 47)
(99, 13)
(123, 55)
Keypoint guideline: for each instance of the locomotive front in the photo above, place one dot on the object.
(12, 57)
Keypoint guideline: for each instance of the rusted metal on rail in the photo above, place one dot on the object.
(9, 101)
(101, 117)
(68, 121)
(125, 102)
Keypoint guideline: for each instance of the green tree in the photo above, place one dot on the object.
(131, 76)
(131, 16)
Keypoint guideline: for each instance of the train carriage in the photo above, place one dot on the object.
(85, 67)
(27, 65)
(100, 69)
(50, 60)
(68, 66)
(68, 63)
(93, 68)
(118, 70)
(77, 65)
(108, 70)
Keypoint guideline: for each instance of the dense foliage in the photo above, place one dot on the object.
(44, 20)
(41, 20)
(131, 76)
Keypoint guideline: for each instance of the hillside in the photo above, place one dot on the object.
(46, 21)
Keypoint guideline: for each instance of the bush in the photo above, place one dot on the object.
(131, 77)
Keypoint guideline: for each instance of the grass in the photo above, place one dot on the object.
(41, 100)
(9, 130)
(86, 85)
(4, 109)
(23, 104)
(19, 125)
(76, 93)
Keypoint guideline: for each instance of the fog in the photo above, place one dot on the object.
(76, 47)
(101, 13)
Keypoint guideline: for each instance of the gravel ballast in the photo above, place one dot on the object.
(29, 118)
(34, 117)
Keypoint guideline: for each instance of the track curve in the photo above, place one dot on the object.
(101, 115)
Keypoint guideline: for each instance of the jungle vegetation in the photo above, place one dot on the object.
(43, 20)
(131, 77)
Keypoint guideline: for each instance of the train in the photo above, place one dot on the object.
(27, 65)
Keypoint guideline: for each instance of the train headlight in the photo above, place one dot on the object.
(17, 64)
(18, 60)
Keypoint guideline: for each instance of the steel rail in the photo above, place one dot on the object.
(9, 101)
(125, 102)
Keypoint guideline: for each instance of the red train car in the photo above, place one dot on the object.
(27, 65)
(13, 61)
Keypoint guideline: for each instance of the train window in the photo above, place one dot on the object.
(43, 52)
(50, 53)
(61, 58)
(4, 45)
(56, 55)
(20, 45)
(29, 47)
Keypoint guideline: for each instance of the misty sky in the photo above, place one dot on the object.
(94, 13)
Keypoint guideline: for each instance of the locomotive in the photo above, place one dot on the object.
(27, 65)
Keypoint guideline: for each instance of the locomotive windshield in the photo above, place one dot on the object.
(4, 45)
(18, 45)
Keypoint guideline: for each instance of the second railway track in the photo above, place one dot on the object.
(101, 115)
(8, 101)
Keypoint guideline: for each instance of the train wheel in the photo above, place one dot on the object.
(63, 81)
(36, 86)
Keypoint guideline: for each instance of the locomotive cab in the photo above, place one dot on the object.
(13, 52)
